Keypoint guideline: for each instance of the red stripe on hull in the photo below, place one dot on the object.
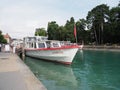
(66, 63)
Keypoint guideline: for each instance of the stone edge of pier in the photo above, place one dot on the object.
(102, 48)
(30, 80)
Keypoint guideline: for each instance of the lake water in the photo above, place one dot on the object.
(90, 70)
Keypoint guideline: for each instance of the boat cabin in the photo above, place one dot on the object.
(40, 42)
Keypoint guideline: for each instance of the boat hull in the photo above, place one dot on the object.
(64, 56)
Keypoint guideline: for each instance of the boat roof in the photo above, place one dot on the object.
(38, 39)
(35, 38)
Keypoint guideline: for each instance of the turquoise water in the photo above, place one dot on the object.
(91, 70)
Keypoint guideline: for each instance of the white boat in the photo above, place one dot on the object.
(52, 50)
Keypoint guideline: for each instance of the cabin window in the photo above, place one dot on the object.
(39, 39)
(48, 44)
(30, 45)
(55, 45)
(41, 45)
(34, 45)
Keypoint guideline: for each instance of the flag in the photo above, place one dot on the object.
(75, 31)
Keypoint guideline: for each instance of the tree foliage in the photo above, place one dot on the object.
(56, 32)
(82, 34)
(69, 28)
(2, 40)
(40, 32)
(53, 31)
(112, 27)
(96, 19)
(66, 32)
(104, 24)
(101, 26)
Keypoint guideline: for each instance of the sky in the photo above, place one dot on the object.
(20, 18)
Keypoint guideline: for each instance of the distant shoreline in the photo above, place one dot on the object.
(102, 47)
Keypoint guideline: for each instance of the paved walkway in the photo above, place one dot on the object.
(15, 75)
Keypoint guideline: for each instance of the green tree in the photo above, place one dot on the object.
(113, 25)
(69, 29)
(2, 40)
(96, 19)
(40, 32)
(81, 32)
(53, 33)
(61, 33)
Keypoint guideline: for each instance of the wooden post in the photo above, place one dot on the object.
(23, 53)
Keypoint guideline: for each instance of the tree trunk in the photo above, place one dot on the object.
(95, 35)
(101, 33)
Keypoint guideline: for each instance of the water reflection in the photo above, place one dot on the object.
(90, 70)
(97, 70)
(54, 76)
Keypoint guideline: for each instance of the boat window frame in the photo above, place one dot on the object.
(43, 45)
(48, 44)
(55, 44)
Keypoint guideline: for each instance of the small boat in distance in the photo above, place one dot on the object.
(52, 50)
